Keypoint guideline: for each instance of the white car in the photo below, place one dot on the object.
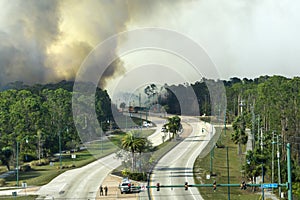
(125, 186)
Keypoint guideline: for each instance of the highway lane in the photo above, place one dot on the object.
(176, 167)
(83, 183)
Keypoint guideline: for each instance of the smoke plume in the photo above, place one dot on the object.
(46, 41)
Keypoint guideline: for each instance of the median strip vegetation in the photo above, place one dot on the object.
(203, 166)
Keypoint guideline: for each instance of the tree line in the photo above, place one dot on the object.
(35, 116)
(268, 105)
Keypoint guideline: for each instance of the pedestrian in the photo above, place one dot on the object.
(105, 189)
(101, 190)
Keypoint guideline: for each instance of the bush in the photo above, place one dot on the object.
(138, 176)
(27, 157)
(42, 162)
(71, 166)
(66, 166)
(54, 159)
(2, 182)
(25, 168)
(117, 132)
(220, 145)
(125, 172)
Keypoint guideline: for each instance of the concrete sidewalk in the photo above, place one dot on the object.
(112, 182)
(20, 191)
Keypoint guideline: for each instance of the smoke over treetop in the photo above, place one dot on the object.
(44, 41)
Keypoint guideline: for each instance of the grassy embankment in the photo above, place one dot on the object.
(41, 175)
(219, 166)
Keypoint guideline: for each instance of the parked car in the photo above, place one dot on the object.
(125, 186)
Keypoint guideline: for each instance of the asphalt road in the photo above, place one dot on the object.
(83, 183)
(176, 167)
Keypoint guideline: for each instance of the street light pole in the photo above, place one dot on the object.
(289, 171)
(228, 180)
(59, 142)
(273, 142)
(278, 162)
(17, 155)
(17, 164)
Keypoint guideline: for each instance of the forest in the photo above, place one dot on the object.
(268, 105)
(35, 116)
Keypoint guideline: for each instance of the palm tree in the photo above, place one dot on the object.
(239, 136)
(173, 125)
(123, 105)
(133, 143)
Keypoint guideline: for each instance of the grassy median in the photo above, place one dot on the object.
(202, 168)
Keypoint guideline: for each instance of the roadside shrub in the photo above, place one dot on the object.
(34, 163)
(27, 157)
(25, 168)
(54, 159)
(71, 166)
(2, 182)
(117, 132)
(125, 172)
(138, 176)
(220, 145)
(42, 162)
(45, 161)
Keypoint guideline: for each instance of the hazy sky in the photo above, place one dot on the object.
(47, 40)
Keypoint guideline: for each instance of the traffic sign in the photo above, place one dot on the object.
(270, 185)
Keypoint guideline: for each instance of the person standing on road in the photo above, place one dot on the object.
(101, 190)
(105, 189)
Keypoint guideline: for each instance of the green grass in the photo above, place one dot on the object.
(3, 169)
(159, 152)
(41, 175)
(219, 166)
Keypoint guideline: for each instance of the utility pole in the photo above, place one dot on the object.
(273, 159)
(225, 123)
(140, 113)
(263, 180)
(278, 162)
(228, 180)
(258, 127)
(262, 164)
(261, 139)
(253, 125)
(289, 171)
(211, 160)
(59, 143)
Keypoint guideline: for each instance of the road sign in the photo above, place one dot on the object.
(270, 185)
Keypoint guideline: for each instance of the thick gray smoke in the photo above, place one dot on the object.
(27, 28)
(45, 41)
